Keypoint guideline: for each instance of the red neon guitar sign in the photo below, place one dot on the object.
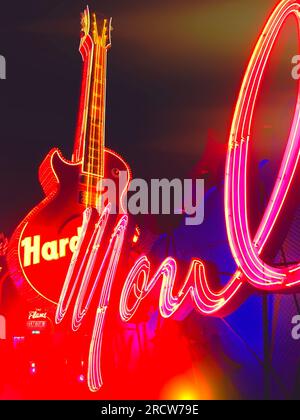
(83, 278)
(41, 248)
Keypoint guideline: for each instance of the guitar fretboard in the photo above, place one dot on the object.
(93, 159)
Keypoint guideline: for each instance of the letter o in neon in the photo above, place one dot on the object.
(246, 250)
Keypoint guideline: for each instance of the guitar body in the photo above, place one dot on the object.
(41, 248)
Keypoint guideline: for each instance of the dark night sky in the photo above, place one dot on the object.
(174, 72)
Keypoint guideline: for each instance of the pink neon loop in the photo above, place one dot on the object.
(246, 251)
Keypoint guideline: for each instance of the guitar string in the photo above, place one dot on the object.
(100, 75)
(94, 121)
(89, 134)
(101, 168)
(92, 132)
(96, 128)
(100, 114)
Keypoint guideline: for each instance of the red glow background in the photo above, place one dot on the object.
(174, 72)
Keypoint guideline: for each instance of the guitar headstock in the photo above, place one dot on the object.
(85, 24)
(102, 34)
(106, 32)
(99, 30)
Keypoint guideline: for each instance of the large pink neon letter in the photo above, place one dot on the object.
(81, 274)
(245, 249)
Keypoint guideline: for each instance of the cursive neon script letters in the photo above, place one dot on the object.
(245, 249)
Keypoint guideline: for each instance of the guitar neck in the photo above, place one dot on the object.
(93, 150)
(90, 133)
